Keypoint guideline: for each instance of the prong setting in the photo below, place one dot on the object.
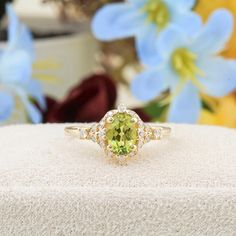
(134, 120)
(110, 119)
(121, 108)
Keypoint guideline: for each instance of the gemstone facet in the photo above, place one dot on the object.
(121, 134)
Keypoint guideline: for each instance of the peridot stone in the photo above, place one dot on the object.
(121, 134)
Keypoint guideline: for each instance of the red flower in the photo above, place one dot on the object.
(86, 102)
(143, 116)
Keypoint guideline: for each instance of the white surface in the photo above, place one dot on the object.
(52, 185)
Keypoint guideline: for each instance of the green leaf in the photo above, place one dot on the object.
(207, 106)
(156, 111)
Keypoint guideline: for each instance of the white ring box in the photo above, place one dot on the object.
(53, 185)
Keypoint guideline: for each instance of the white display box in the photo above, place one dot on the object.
(53, 185)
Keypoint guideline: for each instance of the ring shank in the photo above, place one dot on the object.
(166, 131)
(80, 131)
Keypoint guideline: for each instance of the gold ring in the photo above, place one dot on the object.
(120, 133)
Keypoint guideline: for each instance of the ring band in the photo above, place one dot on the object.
(84, 131)
(120, 133)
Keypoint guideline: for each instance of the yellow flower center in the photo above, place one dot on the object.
(184, 64)
(158, 13)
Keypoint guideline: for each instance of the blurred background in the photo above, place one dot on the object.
(74, 60)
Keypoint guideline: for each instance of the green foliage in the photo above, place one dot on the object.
(207, 106)
(2, 7)
(156, 111)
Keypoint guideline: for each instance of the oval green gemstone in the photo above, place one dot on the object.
(122, 134)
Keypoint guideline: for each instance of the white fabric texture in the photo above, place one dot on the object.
(53, 185)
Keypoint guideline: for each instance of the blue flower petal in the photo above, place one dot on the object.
(171, 39)
(220, 76)
(34, 89)
(15, 67)
(138, 3)
(13, 25)
(32, 111)
(146, 46)
(182, 5)
(19, 36)
(117, 20)
(189, 22)
(185, 108)
(215, 33)
(25, 41)
(149, 85)
(6, 106)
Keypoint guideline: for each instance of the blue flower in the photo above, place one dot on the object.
(190, 65)
(16, 71)
(145, 20)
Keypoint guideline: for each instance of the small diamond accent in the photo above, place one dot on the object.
(158, 133)
(121, 108)
(83, 133)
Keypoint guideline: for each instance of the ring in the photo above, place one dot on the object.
(120, 133)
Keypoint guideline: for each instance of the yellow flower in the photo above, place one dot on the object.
(206, 7)
(224, 112)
